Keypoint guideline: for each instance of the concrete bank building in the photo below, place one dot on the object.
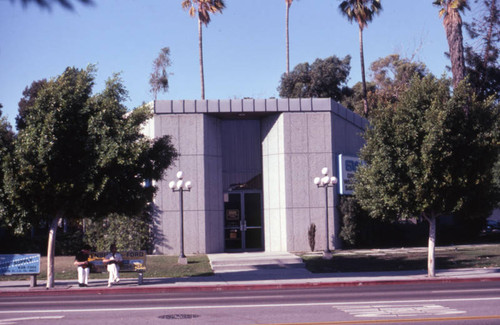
(251, 163)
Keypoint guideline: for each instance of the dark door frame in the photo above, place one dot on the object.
(240, 231)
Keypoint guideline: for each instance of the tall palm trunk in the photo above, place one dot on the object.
(453, 27)
(363, 79)
(200, 41)
(287, 39)
(51, 249)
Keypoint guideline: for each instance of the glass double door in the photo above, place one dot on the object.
(243, 221)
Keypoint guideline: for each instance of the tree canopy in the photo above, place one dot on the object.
(323, 78)
(392, 76)
(6, 147)
(481, 57)
(82, 155)
(429, 157)
(159, 77)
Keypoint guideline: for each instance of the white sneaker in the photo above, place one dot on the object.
(117, 280)
(109, 285)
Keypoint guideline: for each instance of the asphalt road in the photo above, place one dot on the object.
(439, 303)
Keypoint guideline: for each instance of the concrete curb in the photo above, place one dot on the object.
(41, 291)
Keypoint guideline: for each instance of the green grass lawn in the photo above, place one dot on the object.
(158, 266)
(451, 257)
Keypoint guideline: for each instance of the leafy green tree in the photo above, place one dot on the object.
(353, 98)
(82, 156)
(430, 158)
(29, 95)
(126, 232)
(452, 22)
(361, 11)
(391, 76)
(204, 8)
(323, 78)
(159, 77)
(6, 147)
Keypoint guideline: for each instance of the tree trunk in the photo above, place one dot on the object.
(200, 41)
(363, 79)
(51, 249)
(431, 249)
(453, 27)
(287, 40)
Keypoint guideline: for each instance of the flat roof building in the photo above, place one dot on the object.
(251, 163)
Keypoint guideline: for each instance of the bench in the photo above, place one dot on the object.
(21, 264)
(133, 261)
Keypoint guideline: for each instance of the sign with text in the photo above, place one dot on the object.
(133, 261)
(347, 168)
(19, 264)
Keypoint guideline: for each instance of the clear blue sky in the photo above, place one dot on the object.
(244, 48)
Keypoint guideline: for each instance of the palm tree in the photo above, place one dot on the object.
(450, 11)
(288, 4)
(204, 8)
(362, 11)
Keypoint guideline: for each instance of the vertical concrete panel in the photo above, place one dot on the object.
(300, 227)
(189, 129)
(299, 181)
(274, 184)
(213, 229)
(317, 133)
(297, 133)
(311, 150)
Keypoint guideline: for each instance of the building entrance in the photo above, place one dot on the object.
(243, 221)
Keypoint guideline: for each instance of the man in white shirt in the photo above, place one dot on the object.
(112, 262)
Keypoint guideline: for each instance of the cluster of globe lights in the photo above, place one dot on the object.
(177, 186)
(325, 180)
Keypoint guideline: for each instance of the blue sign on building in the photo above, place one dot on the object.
(19, 264)
(347, 168)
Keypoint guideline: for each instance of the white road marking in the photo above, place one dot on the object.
(399, 310)
(14, 320)
(94, 310)
(466, 290)
(80, 302)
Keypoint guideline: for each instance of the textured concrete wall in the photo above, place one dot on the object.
(296, 146)
(197, 139)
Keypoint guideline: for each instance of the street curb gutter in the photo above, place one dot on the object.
(232, 287)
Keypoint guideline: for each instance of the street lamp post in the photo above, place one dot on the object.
(181, 187)
(325, 181)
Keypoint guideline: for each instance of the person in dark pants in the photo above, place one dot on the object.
(83, 266)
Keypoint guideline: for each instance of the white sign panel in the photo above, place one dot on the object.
(347, 168)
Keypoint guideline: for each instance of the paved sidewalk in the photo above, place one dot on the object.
(248, 280)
